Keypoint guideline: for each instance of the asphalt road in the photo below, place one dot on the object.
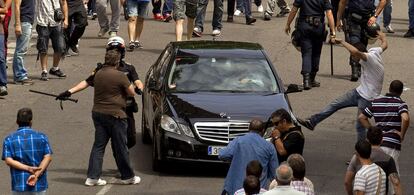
(326, 150)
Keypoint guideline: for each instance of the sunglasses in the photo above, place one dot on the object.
(276, 123)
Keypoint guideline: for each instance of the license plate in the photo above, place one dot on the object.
(214, 150)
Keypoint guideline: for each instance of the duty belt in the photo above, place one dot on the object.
(314, 20)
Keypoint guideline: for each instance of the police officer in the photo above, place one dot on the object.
(311, 29)
(118, 44)
(354, 16)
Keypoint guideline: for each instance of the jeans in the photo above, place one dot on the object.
(311, 45)
(166, 8)
(29, 193)
(386, 13)
(108, 127)
(22, 45)
(411, 14)
(91, 6)
(350, 99)
(217, 14)
(103, 18)
(3, 71)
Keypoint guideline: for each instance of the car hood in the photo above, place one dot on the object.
(225, 105)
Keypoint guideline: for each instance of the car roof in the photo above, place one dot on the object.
(218, 49)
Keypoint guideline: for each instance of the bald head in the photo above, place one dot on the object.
(284, 174)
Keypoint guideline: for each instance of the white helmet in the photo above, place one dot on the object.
(118, 43)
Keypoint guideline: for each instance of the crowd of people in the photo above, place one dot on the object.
(256, 165)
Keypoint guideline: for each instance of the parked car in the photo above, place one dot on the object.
(200, 95)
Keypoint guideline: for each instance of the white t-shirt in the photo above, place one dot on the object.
(366, 179)
(372, 74)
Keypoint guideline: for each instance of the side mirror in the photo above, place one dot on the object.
(152, 84)
(293, 88)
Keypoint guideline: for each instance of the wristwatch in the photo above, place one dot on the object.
(275, 138)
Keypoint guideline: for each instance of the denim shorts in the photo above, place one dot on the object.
(184, 8)
(55, 34)
(137, 8)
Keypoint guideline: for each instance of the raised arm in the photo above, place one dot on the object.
(354, 51)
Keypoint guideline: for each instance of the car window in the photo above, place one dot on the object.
(221, 74)
(162, 66)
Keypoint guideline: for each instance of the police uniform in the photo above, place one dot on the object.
(357, 14)
(132, 106)
(312, 31)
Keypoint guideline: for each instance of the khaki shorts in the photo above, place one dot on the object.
(184, 8)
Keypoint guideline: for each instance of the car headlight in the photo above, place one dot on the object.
(169, 124)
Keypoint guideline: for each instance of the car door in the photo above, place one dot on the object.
(155, 92)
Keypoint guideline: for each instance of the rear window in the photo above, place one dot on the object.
(192, 74)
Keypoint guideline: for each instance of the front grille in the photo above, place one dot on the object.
(222, 132)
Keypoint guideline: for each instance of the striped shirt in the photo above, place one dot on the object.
(372, 74)
(302, 186)
(366, 180)
(387, 111)
(28, 147)
(45, 12)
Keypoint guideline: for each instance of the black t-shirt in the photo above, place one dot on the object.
(293, 141)
(312, 7)
(27, 11)
(128, 69)
(74, 3)
(363, 7)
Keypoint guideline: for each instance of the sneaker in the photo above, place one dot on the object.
(260, 8)
(167, 18)
(133, 180)
(73, 51)
(94, 16)
(57, 72)
(267, 17)
(25, 81)
(158, 16)
(102, 32)
(216, 32)
(389, 29)
(112, 33)
(138, 45)
(43, 76)
(306, 123)
(250, 21)
(230, 19)
(283, 12)
(95, 182)
(409, 33)
(3, 91)
(131, 46)
(237, 13)
(197, 32)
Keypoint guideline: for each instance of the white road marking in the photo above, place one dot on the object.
(107, 187)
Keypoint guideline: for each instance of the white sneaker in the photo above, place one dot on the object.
(134, 180)
(95, 182)
(237, 12)
(260, 8)
(216, 32)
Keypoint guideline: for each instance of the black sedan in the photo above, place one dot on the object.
(199, 95)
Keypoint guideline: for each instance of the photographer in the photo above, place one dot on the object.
(50, 15)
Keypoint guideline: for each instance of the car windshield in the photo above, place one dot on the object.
(194, 74)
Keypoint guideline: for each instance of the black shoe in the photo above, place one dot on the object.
(3, 91)
(306, 81)
(267, 17)
(43, 76)
(306, 123)
(409, 33)
(138, 45)
(283, 12)
(313, 82)
(250, 20)
(167, 18)
(57, 73)
(354, 74)
(230, 19)
(131, 46)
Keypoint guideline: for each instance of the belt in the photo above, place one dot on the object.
(313, 20)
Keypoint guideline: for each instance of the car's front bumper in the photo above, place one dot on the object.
(183, 148)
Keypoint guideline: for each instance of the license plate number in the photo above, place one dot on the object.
(214, 150)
